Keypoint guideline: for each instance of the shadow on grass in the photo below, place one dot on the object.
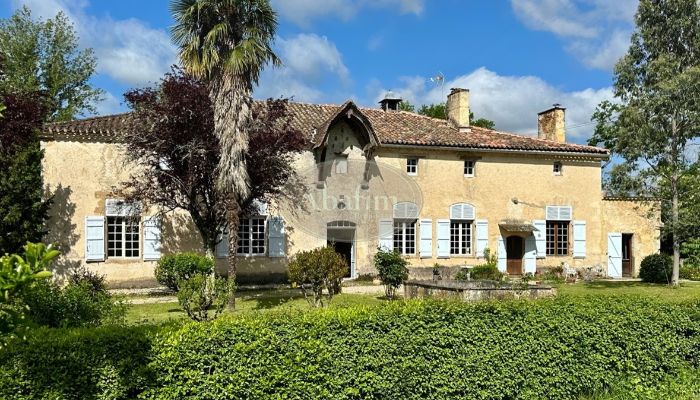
(265, 300)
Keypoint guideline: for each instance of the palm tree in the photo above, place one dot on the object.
(227, 43)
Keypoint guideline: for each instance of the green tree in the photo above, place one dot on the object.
(43, 56)
(657, 112)
(227, 43)
(440, 111)
(405, 105)
(481, 122)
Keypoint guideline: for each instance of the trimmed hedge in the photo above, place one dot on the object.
(562, 348)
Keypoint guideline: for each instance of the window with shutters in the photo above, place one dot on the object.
(557, 238)
(405, 236)
(123, 237)
(412, 166)
(460, 237)
(251, 236)
(469, 168)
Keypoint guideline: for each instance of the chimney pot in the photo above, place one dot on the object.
(458, 108)
(390, 102)
(551, 124)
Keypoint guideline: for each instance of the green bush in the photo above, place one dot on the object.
(392, 270)
(559, 349)
(204, 297)
(690, 272)
(318, 269)
(564, 348)
(487, 271)
(172, 268)
(84, 301)
(83, 363)
(656, 268)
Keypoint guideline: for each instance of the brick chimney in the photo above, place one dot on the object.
(458, 108)
(551, 123)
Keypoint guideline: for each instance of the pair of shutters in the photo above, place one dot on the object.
(95, 249)
(578, 235)
(529, 257)
(386, 237)
(276, 241)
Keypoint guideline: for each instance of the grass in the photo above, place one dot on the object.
(291, 299)
(247, 302)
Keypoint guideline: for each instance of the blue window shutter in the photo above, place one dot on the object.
(276, 240)
(94, 238)
(502, 256)
(540, 234)
(386, 234)
(482, 236)
(443, 238)
(530, 257)
(615, 255)
(222, 245)
(151, 238)
(579, 239)
(426, 238)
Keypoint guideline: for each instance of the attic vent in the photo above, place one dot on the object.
(391, 102)
(115, 207)
(559, 213)
(462, 211)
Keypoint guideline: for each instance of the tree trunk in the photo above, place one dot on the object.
(674, 232)
(232, 218)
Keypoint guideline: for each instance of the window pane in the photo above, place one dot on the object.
(551, 238)
(410, 237)
(398, 237)
(258, 236)
(244, 228)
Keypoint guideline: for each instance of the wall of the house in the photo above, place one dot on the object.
(83, 174)
(642, 220)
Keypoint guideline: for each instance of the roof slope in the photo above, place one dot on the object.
(392, 128)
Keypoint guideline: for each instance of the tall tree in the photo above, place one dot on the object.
(43, 56)
(657, 113)
(23, 209)
(440, 111)
(227, 43)
(178, 152)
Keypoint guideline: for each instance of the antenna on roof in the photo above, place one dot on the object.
(439, 80)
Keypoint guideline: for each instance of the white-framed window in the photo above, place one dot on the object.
(412, 166)
(123, 237)
(557, 238)
(469, 168)
(557, 168)
(251, 236)
(405, 237)
(460, 237)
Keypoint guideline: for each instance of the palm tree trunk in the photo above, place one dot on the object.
(231, 97)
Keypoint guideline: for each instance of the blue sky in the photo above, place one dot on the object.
(517, 57)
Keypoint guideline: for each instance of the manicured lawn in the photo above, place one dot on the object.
(688, 291)
(247, 302)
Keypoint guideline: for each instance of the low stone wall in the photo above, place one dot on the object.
(474, 290)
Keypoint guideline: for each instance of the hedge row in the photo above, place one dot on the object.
(561, 348)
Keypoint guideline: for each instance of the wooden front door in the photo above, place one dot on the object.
(627, 256)
(514, 253)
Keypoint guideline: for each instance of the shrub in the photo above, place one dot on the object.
(319, 269)
(392, 270)
(559, 349)
(690, 272)
(204, 296)
(487, 271)
(84, 301)
(175, 267)
(656, 268)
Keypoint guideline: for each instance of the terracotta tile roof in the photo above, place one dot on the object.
(392, 128)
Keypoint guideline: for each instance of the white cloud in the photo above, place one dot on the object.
(128, 51)
(596, 32)
(109, 105)
(309, 63)
(512, 102)
(303, 12)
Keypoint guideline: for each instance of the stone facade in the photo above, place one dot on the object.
(508, 191)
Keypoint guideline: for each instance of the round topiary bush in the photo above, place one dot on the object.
(175, 267)
(656, 268)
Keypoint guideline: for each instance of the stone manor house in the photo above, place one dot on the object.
(437, 191)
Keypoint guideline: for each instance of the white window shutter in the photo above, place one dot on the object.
(386, 234)
(462, 211)
(482, 236)
(502, 256)
(276, 240)
(426, 238)
(94, 238)
(530, 257)
(222, 245)
(558, 213)
(579, 239)
(540, 234)
(151, 238)
(443, 238)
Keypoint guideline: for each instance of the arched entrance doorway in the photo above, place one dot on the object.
(515, 249)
